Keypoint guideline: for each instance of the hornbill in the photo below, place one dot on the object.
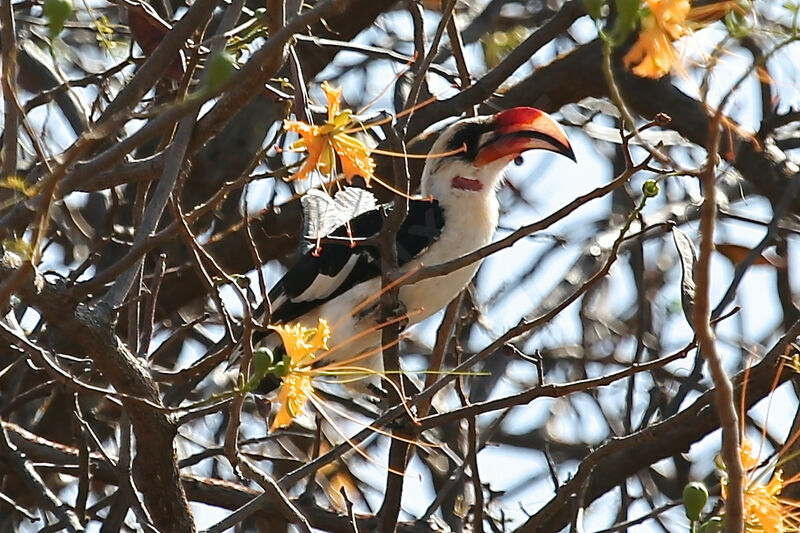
(458, 216)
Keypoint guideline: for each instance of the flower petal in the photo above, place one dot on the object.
(333, 95)
(653, 54)
(294, 341)
(292, 397)
(319, 341)
(355, 157)
(314, 142)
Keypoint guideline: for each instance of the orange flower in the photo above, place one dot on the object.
(765, 511)
(301, 345)
(325, 143)
(292, 397)
(653, 53)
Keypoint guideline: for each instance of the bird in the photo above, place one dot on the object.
(338, 280)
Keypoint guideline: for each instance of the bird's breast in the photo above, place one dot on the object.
(467, 229)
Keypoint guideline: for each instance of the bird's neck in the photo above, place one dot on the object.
(470, 209)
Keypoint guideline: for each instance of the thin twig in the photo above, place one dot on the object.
(443, 337)
(483, 88)
(725, 403)
(477, 487)
(389, 304)
(271, 488)
(20, 464)
(552, 390)
(421, 72)
(158, 201)
(374, 51)
(8, 45)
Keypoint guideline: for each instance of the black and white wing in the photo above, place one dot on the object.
(340, 262)
(323, 214)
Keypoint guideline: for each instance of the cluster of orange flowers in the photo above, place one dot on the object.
(764, 508)
(332, 141)
(665, 21)
(653, 54)
(302, 345)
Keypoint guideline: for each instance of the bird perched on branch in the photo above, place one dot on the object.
(339, 279)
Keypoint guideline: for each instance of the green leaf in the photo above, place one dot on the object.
(56, 12)
(15, 183)
(695, 497)
(497, 45)
(627, 15)
(594, 8)
(713, 525)
(19, 247)
(281, 368)
(219, 68)
(688, 257)
(262, 361)
(738, 21)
